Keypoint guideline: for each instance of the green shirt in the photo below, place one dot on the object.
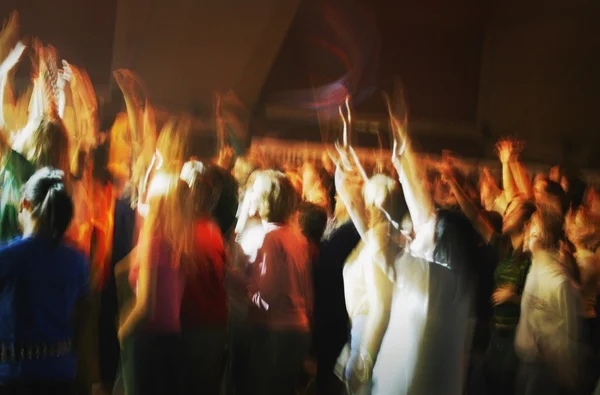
(15, 172)
(512, 269)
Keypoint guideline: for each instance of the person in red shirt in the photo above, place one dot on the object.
(280, 292)
(204, 305)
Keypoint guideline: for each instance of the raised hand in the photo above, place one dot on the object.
(9, 33)
(12, 22)
(64, 75)
(13, 58)
(504, 150)
(509, 150)
(397, 133)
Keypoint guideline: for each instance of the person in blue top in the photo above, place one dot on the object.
(43, 288)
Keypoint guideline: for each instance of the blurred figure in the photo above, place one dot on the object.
(547, 334)
(280, 291)
(45, 294)
(150, 335)
(331, 325)
(312, 220)
(204, 304)
(369, 278)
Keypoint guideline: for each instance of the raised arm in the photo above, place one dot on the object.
(347, 164)
(520, 176)
(412, 177)
(474, 214)
(127, 83)
(505, 154)
(5, 67)
(346, 175)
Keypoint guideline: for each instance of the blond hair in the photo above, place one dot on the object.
(49, 146)
(170, 218)
(173, 143)
(277, 198)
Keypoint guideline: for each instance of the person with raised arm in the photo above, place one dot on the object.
(509, 274)
(425, 346)
(368, 271)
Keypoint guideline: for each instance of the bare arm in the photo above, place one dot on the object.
(480, 223)
(521, 178)
(126, 81)
(505, 154)
(354, 204)
(5, 67)
(379, 291)
(412, 177)
(145, 296)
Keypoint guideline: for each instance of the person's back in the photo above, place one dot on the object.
(204, 312)
(204, 299)
(285, 293)
(40, 286)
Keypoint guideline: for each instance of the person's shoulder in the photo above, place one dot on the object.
(14, 245)
(285, 234)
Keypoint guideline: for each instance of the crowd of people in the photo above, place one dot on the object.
(127, 255)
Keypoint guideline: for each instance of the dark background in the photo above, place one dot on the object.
(473, 71)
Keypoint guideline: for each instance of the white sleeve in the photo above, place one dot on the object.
(424, 242)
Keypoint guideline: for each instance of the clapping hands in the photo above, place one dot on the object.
(508, 150)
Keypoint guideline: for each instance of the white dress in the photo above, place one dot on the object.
(424, 348)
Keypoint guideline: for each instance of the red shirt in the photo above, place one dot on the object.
(280, 288)
(204, 299)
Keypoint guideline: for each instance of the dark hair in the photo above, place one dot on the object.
(51, 204)
(313, 220)
(225, 193)
(456, 242)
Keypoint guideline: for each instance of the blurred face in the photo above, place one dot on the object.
(532, 235)
(442, 194)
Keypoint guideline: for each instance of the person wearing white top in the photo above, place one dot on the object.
(424, 348)
(547, 335)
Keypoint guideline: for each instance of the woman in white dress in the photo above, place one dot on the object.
(425, 346)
